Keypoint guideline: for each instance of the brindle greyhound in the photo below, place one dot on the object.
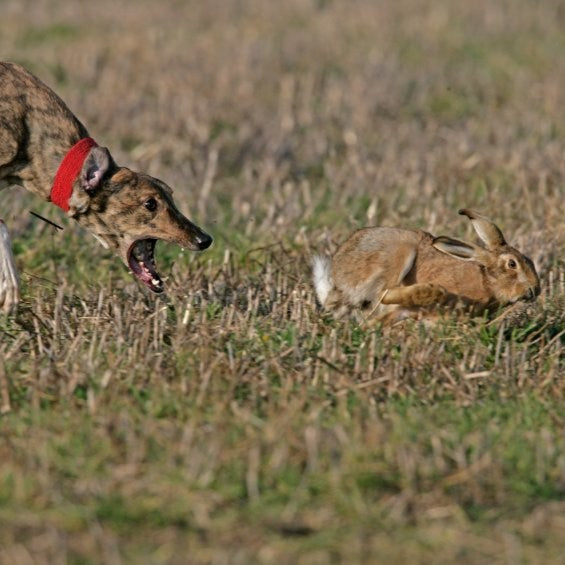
(45, 149)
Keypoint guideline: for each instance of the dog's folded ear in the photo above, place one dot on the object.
(95, 166)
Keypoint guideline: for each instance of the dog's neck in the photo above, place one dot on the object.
(68, 172)
(46, 155)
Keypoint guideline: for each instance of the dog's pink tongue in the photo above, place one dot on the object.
(149, 276)
(142, 263)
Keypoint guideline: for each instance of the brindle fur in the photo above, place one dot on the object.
(36, 131)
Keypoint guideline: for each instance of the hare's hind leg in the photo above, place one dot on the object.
(336, 303)
(416, 295)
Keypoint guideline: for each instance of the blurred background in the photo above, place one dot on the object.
(230, 421)
(277, 120)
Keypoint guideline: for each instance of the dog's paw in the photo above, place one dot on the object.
(9, 296)
(9, 285)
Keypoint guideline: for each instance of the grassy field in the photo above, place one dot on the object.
(231, 421)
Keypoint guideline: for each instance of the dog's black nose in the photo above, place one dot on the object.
(204, 241)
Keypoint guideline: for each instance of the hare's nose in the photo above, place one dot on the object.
(532, 293)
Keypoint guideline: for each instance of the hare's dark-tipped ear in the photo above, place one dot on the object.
(455, 248)
(488, 232)
(95, 167)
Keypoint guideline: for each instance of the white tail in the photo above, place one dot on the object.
(322, 282)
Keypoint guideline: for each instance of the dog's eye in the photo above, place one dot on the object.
(512, 264)
(151, 204)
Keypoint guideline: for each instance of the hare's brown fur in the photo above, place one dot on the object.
(395, 273)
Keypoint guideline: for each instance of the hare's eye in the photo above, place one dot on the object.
(151, 204)
(512, 264)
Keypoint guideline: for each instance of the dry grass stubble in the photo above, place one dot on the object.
(231, 418)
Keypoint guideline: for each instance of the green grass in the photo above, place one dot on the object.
(486, 463)
(231, 420)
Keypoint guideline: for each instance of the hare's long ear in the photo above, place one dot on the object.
(489, 233)
(455, 248)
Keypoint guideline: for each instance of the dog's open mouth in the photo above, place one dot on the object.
(141, 260)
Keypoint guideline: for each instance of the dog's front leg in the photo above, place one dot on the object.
(9, 287)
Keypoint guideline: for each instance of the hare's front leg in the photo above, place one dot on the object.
(416, 295)
(9, 287)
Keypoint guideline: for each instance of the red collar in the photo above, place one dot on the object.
(68, 171)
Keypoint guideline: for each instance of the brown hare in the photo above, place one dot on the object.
(399, 273)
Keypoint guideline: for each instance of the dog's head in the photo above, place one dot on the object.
(128, 212)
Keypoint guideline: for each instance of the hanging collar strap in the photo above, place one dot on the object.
(68, 171)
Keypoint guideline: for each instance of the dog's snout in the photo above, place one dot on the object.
(193, 236)
(204, 241)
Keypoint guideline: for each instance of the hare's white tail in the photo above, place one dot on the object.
(322, 282)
